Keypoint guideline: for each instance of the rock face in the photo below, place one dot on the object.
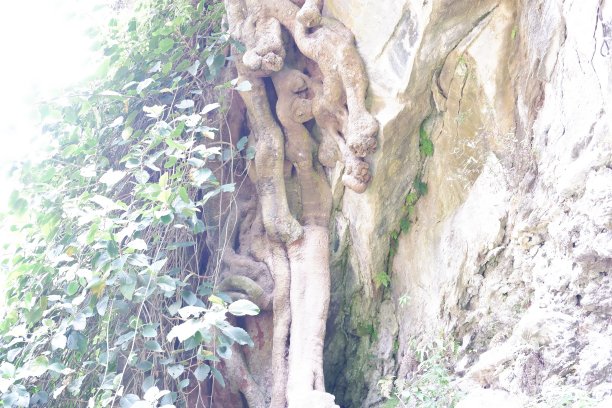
(510, 251)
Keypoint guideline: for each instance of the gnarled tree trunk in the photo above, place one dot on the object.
(304, 71)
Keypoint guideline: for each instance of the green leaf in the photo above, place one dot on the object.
(72, 288)
(184, 330)
(158, 265)
(425, 144)
(109, 93)
(34, 368)
(144, 85)
(201, 176)
(163, 180)
(201, 373)
(142, 176)
(217, 375)
(382, 279)
(58, 342)
(138, 260)
(177, 245)
(215, 62)
(176, 370)
(411, 198)
(11, 355)
(124, 338)
(152, 345)
(17, 204)
(77, 341)
(210, 107)
(112, 177)
(144, 365)
(117, 122)
(127, 132)
(166, 283)
(228, 188)
(138, 245)
(420, 186)
(244, 86)
(155, 68)
(185, 104)
(129, 401)
(106, 203)
(238, 335)
(154, 111)
(189, 297)
(189, 311)
(165, 45)
(127, 288)
(243, 307)
(174, 308)
(193, 69)
(405, 224)
(183, 194)
(199, 227)
(80, 322)
(224, 351)
(427, 147)
(149, 330)
(102, 305)
(242, 143)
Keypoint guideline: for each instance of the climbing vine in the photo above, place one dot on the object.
(108, 302)
(407, 212)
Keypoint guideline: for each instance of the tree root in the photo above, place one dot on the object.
(239, 377)
(278, 221)
(292, 110)
(242, 287)
(310, 13)
(296, 253)
(260, 33)
(310, 291)
(279, 265)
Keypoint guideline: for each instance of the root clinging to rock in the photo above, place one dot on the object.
(317, 74)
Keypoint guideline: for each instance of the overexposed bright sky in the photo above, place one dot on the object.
(44, 50)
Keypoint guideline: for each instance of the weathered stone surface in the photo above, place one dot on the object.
(489, 398)
(511, 252)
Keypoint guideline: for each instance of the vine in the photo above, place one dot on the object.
(108, 301)
(407, 213)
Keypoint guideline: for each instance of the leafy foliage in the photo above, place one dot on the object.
(407, 217)
(382, 279)
(426, 146)
(106, 303)
(429, 386)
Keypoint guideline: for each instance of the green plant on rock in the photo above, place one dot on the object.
(404, 300)
(382, 279)
(407, 219)
(430, 386)
(106, 305)
(426, 146)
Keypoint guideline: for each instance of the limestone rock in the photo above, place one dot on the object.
(510, 251)
(489, 398)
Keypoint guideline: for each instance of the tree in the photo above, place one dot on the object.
(316, 73)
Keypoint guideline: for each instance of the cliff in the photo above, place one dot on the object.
(499, 242)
